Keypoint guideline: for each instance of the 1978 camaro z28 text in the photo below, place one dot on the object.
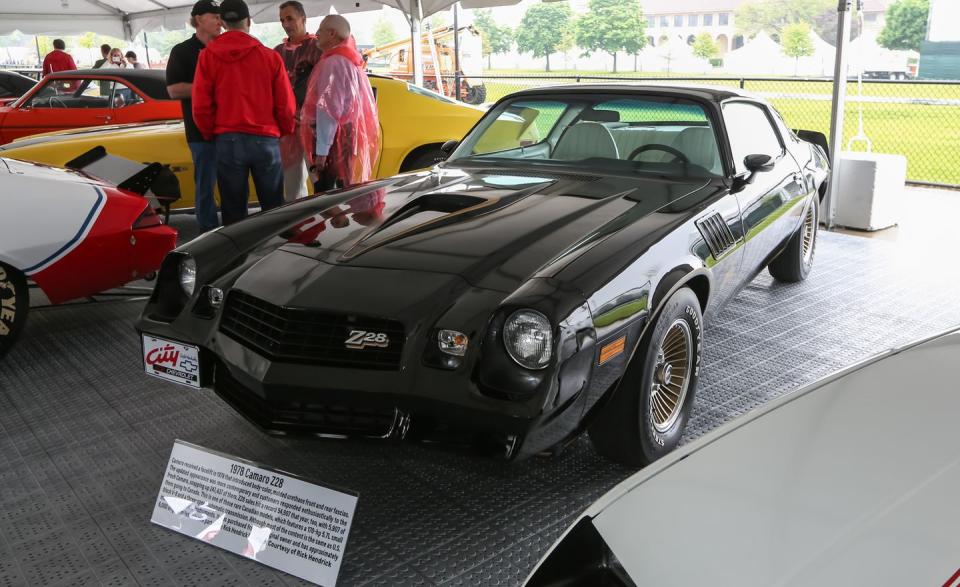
(517, 293)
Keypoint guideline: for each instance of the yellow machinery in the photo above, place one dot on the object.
(394, 59)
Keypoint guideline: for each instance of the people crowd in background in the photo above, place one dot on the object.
(234, 72)
(315, 108)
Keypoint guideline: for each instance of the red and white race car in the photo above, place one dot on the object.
(73, 234)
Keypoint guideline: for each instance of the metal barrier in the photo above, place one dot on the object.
(919, 119)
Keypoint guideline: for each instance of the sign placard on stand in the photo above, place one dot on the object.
(278, 519)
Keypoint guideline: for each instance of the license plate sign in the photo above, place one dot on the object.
(171, 360)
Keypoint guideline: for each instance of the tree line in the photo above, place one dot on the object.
(619, 26)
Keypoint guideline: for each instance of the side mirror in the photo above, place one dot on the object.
(753, 163)
(449, 146)
(758, 162)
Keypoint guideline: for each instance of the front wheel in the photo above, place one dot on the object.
(795, 261)
(646, 416)
(14, 305)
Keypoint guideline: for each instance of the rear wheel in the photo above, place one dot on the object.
(648, 412)
(14, 305)
(795, 262)
(476, 95)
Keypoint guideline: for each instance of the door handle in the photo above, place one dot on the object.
(104, 117)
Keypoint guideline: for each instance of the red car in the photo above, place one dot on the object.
(94, 97)
(77, 232)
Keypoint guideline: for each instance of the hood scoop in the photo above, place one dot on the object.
(431, 211)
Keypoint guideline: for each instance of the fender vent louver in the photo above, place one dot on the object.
(717, 235)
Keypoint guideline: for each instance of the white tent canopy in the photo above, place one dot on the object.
(126, 18)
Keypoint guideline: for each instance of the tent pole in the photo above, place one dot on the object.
(838, 103)
(456, 52)
(146, 48)
(39, 56)
(416, 49)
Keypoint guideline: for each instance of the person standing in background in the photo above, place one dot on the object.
(105, 54)
(115, 60)
(132, 60)
(181, 67)
(299, 53)
(340, 127)
(58, 59)
(243, 101)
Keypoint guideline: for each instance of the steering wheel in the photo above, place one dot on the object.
(55, 102)
(118, 101)
(658, 147)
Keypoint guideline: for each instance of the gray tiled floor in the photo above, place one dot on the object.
(84, 437)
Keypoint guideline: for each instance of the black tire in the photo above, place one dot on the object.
(627, 430)
(14, 305)
(476, 95)
(795, 261)
(423, 160)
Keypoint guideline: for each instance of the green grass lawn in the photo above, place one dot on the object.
(927, 134)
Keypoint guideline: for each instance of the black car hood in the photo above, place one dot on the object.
(493, 228)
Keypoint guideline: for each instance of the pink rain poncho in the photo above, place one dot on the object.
(339, 117)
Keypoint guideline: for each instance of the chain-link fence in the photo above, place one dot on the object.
(917, 119)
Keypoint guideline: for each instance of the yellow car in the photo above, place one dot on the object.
(414, 124)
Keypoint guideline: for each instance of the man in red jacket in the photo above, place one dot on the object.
(242, 100)
(58, 59)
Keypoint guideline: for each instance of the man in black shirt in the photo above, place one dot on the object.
(205, 19)
(105, 52)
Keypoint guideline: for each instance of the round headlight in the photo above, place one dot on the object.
(188, 275)
(528, 337)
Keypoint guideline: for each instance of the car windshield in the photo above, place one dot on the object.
(612, 132)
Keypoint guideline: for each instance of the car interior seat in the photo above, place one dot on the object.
(699, 144)
(584, 140)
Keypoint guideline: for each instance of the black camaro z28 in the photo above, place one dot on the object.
(552, 276)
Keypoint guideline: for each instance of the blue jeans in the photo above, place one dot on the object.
(238, 156)
(204, 176)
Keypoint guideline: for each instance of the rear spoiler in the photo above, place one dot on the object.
(153, 181)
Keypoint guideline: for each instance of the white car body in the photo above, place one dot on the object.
(853, 480)
(47, 213)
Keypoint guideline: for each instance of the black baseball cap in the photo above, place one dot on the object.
(205, 7)
(234, 10)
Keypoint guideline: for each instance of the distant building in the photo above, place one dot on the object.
(875, 14)
(688, 19)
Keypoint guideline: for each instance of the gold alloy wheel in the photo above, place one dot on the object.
(809, 233)
(671, 375)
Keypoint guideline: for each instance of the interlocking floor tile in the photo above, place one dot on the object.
(85, 437)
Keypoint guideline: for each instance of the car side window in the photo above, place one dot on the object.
(123, 96)
(750, 132)
(72, 93)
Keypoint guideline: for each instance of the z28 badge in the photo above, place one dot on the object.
(360, 339)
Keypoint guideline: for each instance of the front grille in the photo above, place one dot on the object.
(303, 417)
(300, 335)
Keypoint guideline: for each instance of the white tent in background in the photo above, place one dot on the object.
(819, 64)
(673, 56)
(866, 55)
(761, 55)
